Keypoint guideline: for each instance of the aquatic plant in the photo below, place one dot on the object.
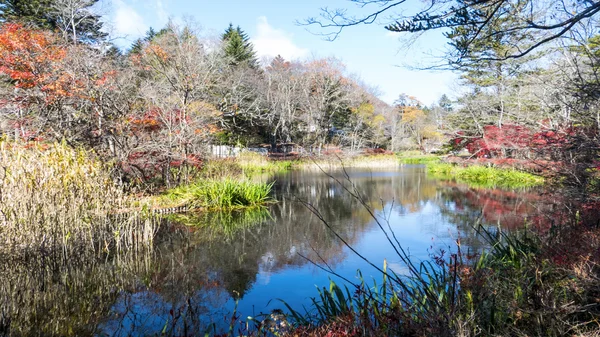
(255, 163)
(484, 176)
(335, 163)
(59, 199)
(422, 159)
(512, 287)
(219, 194)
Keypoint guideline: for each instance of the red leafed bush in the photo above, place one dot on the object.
(496, 141)
(516, 141)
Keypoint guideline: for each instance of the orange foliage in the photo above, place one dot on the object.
(29, 56)
(35, 59)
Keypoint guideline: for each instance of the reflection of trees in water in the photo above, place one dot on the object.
(50, 296)
(193, 271)
(467, 207)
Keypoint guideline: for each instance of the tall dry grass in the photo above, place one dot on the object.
(56, 198)
(334, 163)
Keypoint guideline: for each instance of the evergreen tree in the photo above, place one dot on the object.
(33, 12)
(445, 103)
(238, 47)
(480, 53)
(136, 47)
(74, 18)
(151, 34)
(279, 63)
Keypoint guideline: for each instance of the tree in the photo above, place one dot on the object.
(238, 47)
(75, 19)
(417, 126)
(139, 44)
(548, 19)
(174, 116)
(52, 89)
(33, 12)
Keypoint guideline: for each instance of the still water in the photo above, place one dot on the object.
(198, 273)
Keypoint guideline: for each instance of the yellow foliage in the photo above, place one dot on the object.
(412, 115)
(430, 132)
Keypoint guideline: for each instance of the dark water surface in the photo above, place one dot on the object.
(195, 275)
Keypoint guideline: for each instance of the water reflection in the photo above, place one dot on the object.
(195, 274)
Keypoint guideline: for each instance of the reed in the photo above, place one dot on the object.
(334, 163)
(59, 199)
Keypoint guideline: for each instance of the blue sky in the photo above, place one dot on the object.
(370, 52)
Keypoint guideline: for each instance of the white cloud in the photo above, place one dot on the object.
(270, 42)
(161, 13)
(128, 23)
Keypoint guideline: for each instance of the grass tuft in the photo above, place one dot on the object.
(220, 194)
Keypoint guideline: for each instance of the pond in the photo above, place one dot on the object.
(198, 273)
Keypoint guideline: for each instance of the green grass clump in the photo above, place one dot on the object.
(220, 194)
(424, 159)
(252, 163)
(482, 176)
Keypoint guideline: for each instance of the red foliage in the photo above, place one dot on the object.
(512, 140)
(37, 63)
(33, 59)
(496, 140)
(155, 118)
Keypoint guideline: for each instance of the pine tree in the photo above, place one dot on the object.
(136, 47)
(238, 47)
(139, 44)
(33, 12)
(482, 60)
(279, 63)
(74, 18)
